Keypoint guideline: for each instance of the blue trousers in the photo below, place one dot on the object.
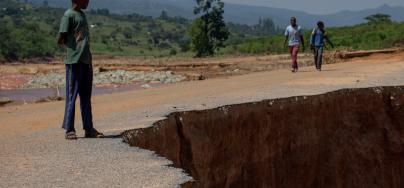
(318, 56)
(79, 81)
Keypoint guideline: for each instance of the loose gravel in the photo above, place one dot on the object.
(54, 79)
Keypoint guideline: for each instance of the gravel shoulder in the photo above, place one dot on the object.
(34, 153)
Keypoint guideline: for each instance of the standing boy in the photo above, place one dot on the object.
(294, 35)
(74, 34)
(317, 43)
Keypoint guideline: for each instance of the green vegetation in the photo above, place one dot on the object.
(368, 36)
(23, 35)
(31, 31)
(208, 32)
(372, 35)
(378, 18)
(28, 31)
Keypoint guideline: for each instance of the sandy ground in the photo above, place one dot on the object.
(35, 154)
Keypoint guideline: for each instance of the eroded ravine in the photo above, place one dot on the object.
(346, 138)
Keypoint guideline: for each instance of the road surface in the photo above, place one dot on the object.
(33, 152)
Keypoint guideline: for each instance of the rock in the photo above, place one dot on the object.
(50, 99)
(5, 100)
(110, 77)
(146, 86)
(195, 76)
(96, 70)
(28, 70)
(102, 69)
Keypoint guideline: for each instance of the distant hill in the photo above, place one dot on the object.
(247, 14)
(243, 14)
(144, 7)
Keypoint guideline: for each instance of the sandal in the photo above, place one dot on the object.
(93, 133)
(71, 135)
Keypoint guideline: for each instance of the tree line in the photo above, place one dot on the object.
(29, 31)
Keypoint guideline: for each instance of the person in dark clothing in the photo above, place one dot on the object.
(74, 35)
(318, 36)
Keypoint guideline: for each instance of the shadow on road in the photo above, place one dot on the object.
(106, 136)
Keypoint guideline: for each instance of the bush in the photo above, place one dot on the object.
(208, 32)
(25, 41)
(173, 52)
(360, 37)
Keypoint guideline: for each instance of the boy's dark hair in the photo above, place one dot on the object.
(320, 23)
(293, 18)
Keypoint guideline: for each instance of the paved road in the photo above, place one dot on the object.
(35, 154)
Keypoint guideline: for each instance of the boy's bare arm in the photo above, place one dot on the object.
(302, 40)
(286, 40)
(329, 41)
(62, 39)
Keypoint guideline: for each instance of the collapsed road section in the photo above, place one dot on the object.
(346, 138)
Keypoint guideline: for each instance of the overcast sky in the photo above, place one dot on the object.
(320, 6)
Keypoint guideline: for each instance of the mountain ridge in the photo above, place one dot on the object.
(237, 13)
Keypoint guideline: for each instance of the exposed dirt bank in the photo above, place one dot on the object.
(347, 138)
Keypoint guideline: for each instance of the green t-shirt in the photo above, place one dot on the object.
(74, 23)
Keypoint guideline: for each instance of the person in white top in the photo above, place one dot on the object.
(293, 39)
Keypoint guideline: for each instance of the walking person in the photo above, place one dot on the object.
(294, 38)
(74, 35)
(317, 43)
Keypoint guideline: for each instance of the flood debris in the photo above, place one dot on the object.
(53, 79)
